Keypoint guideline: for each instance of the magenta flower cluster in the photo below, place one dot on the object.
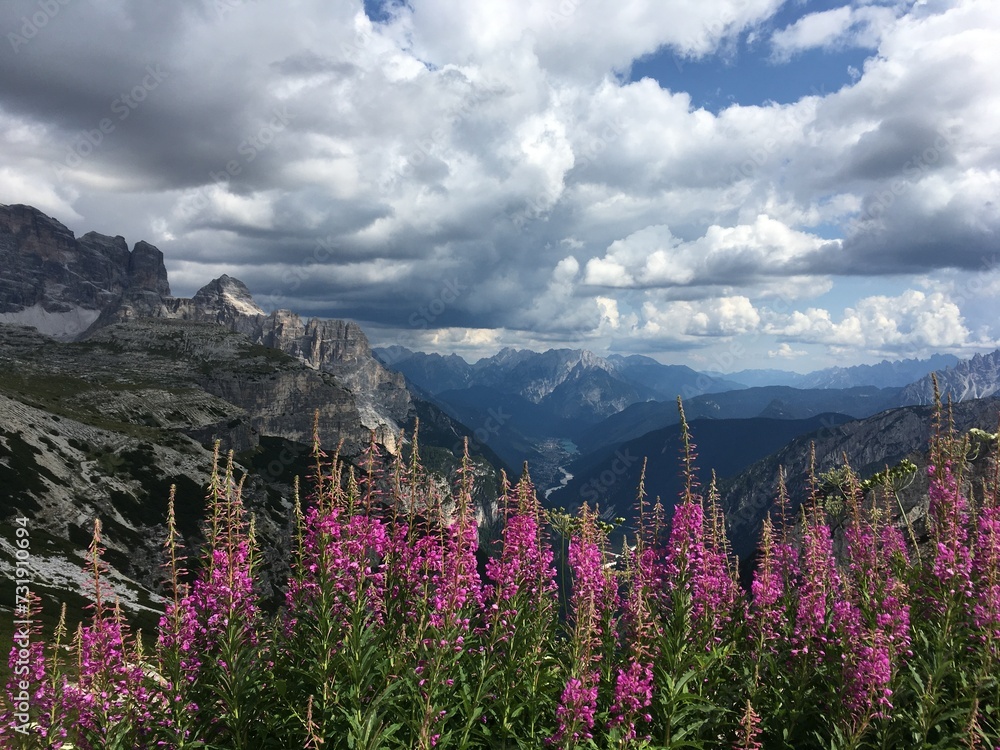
(400, 629)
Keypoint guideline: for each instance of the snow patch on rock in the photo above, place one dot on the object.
(64, 326)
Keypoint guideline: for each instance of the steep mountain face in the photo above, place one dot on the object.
(871, 445)
(71, 288)
(778, 402)
(335, 346)
(590, 391)
(978, 377)
(60, 284)
(537, 376)
(341, 348)
(609, 478)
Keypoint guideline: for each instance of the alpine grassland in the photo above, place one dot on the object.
(399, 630)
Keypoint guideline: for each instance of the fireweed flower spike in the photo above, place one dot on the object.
(112, 696)
(633, 692)
(767, 611)
(218, 633)
(594, 598)
(520, 616)
(698, 554)
(986, 574)
(749, 731)
(522, 574)
(773, 583)
(873, 619)
(821, 588)
(948, 514)
(33, 708)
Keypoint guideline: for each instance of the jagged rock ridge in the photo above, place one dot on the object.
(978, 377)
(71, 288)
(130, 401)
(59, 284)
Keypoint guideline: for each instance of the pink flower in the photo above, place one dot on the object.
(948, 513)
(633, 695)
(986, 566)
(577, 707)
(821, 588)
(698, 563)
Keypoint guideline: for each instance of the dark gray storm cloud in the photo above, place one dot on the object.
(489, 159)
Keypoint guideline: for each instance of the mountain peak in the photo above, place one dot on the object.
(227, 292)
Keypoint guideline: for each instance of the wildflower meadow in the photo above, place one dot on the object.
(399, 630)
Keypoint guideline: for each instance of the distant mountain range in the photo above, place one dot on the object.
(978, 377)
(571, 383)
(885, 374)
(522, 402)
(774, 402)
(526, 405)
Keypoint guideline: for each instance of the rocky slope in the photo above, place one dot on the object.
(141, 384)
(870, 445)
(977, 377)
(102, 428)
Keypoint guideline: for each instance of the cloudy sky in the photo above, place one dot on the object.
(720, 183)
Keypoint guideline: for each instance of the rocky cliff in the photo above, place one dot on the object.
(72, 288)
(59, 284)
(977, 377)
(870, 445)
(130, 401)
